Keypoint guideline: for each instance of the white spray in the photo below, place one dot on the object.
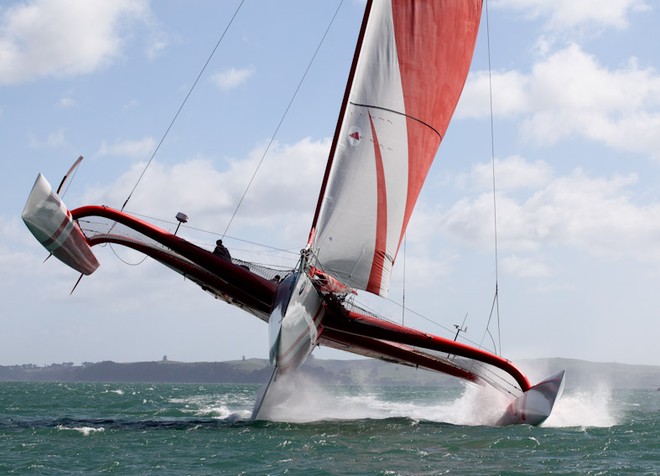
(300, 398)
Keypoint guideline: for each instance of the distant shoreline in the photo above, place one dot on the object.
(364, 372)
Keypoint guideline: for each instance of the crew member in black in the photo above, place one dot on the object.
(221, 250)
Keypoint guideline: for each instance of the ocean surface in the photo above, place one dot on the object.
(159, 429)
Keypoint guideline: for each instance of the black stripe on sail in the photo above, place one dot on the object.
(400, 114)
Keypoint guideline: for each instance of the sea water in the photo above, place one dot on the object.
(64, 428)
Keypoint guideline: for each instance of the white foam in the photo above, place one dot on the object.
(584, 408)
(214, 406)
(298, 398)
(475, 406)
(295, 398)
(118, 391)
(85, 430)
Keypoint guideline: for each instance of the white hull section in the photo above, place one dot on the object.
(50, 222)
(293, 329)
(535, 405)
(294, 322)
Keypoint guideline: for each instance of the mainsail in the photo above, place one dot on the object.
(407, 75)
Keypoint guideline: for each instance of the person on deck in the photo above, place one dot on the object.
(221, 250)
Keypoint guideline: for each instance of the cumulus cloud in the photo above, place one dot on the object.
(54, 140)
(231, 78)
(572, 94)
(512, 173)
(567, 14)
(594, 214)
(67, 102)
(510, 96)
(278, 198)
(137, 149)
(21, 256)
(524, 267)
(569, 93)
(61, 37)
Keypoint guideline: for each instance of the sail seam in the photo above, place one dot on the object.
(393, 111)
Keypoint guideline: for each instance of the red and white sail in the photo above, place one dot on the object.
(410, 67)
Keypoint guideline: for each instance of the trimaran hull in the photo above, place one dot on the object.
(407, 75)
(301, 315)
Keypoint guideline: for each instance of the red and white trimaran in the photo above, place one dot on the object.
(410, 66)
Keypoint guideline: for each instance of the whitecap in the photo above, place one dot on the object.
(85, 430)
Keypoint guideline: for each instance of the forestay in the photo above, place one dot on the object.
(410, 67)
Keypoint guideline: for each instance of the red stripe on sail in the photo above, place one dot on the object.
(376, 275)
(434, 41)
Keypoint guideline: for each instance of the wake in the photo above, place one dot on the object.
(299, 399)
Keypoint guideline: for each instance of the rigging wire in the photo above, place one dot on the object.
(496, 302)
(69, 184)
(286, 111)
(214, 233)
(403, 292)
(421, 316)
(123, 260)
(68, 178)
(185, 100)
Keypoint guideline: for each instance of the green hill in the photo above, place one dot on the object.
(362, 372)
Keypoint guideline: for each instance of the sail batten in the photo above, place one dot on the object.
(401, 113)
(408, 73)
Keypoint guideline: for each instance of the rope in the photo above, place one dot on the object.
(496, 301)
(403, 291)
(493, 306)
(162, 139)
(272, 139)
(123, 260)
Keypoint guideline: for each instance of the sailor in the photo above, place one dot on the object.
(221, 250)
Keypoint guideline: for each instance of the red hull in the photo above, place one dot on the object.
(342, 328)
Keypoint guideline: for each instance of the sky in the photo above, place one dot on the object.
(576, 143)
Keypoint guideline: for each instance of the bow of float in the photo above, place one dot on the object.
(534, 406)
